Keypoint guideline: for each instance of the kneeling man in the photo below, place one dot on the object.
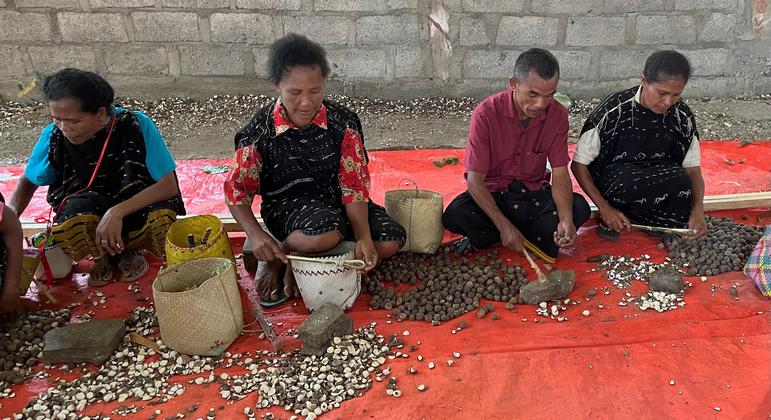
(512, 135)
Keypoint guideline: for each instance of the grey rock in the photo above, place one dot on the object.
(90, 341)
(558, 284)
(666, 279)
(325, 323)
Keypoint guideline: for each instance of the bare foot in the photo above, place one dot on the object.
(267, 279)
(290, 284)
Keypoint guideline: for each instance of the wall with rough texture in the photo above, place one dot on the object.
(393, 48)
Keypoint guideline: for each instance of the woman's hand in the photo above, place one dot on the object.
(109, 239)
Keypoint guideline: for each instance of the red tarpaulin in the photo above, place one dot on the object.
(395, 169)
(615, 363)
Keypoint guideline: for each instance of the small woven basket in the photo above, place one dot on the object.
(322, 282)
(217, 245)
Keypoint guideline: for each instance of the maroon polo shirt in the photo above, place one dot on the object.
(500, 147)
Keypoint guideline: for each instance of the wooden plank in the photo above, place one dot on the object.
(711, 202)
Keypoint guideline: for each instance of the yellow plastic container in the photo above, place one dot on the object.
(217, 245)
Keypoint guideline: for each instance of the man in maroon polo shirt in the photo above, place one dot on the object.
(512, 135)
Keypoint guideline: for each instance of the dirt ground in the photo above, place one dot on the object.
(204, 128)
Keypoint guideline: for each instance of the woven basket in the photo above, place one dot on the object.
(321, 283)
(420, 213)
(198, 306)
(29, 262)
(217, 245)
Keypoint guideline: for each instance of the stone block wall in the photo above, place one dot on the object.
(391, 48)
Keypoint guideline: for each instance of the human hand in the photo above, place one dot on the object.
(365, 248)
(109, 233)
(697, 223)
(565, 235)
(511, 238)
(10, 301)
(265, 248)
(614, 219)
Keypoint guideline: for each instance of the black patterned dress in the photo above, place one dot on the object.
(639, 169)
(122, 174)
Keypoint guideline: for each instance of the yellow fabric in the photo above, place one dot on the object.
(76, 235)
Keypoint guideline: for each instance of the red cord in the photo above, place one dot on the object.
(49, 222)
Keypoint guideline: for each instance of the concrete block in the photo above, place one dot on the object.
(348, 5)
(402, 4)
(718, 27)
(492, 6)
(409, 62)
(24, 27)
(357, 63)
(473, 32)
(136, 60)
(528, 30)
(574, 7)
(705, 4)
(269, 4)
(211, 61)
(165, 26)
(573, 64)
(657, 30)
(197, 4)
(709, 61)
(629, 6)
(250, 28)
(50, 59)
(595, 31)
(89, 341)
(480, 64)
(14, 61)
(261, 56)
(59, 4)
(625, 63)
(321, 326)
(401, 29)
(329, 30)
(98, 4)
(699, 87)
(92, 27)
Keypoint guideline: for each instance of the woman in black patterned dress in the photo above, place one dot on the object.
(638, 156)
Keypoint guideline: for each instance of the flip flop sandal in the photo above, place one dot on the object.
(133, 267)
(273, 303)
(101, 273)
(607, 233)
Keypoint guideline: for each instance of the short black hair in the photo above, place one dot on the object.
(666, 64)
(543, 62)
(295, 50)
(90, 89)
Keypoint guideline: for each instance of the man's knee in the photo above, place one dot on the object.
(458, 210)
(581, 210)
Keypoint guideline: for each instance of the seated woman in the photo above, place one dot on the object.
(10, 257)
(111, 178)
(638, 155)
(305, 156)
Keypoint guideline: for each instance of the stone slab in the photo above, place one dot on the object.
(323, 324)
(666, 279)
(559, 283)
(90, 341)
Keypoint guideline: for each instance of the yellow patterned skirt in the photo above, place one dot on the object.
(76, 234)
